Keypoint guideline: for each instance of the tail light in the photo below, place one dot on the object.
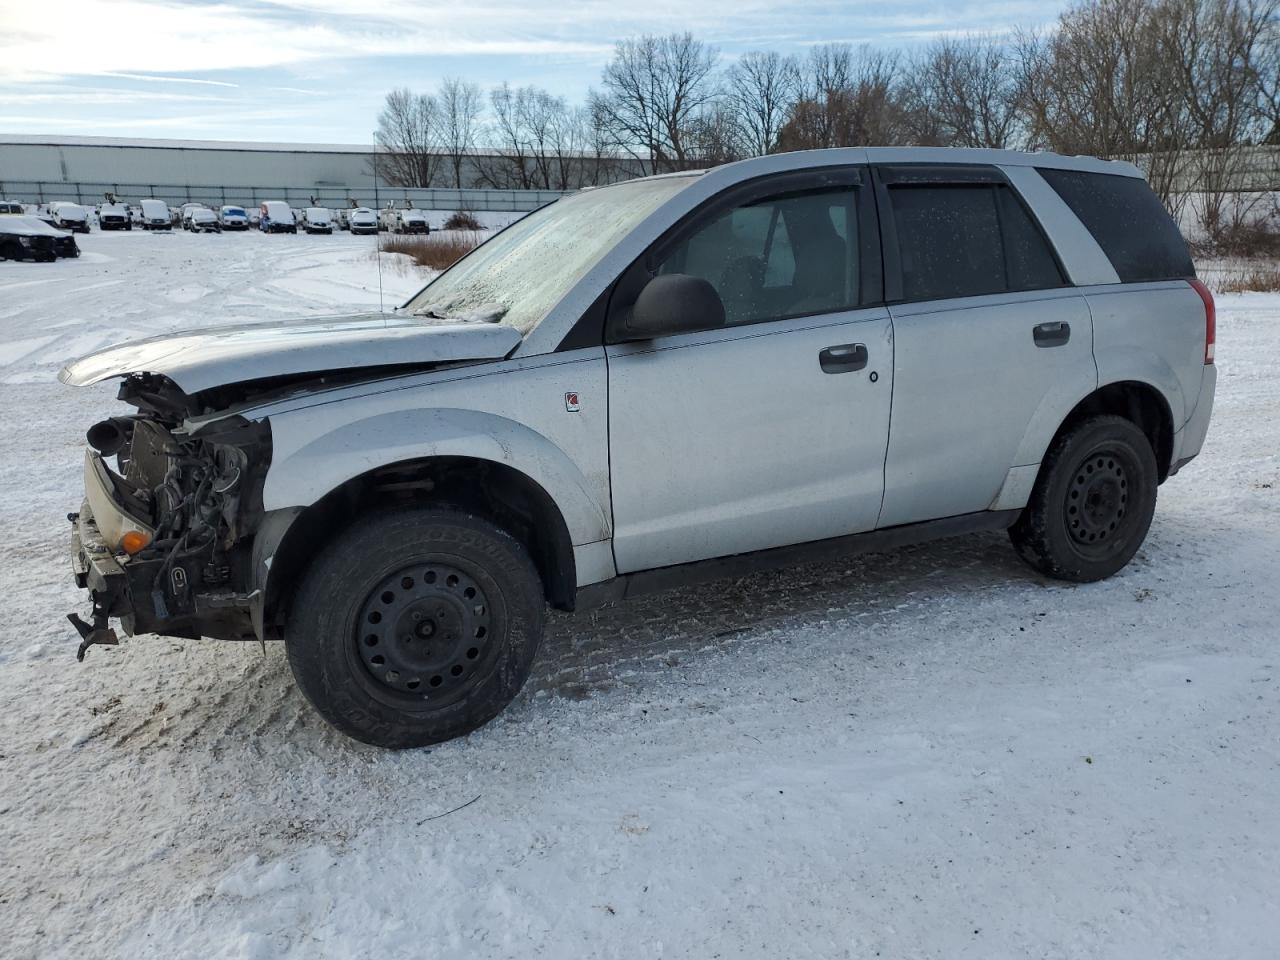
(1210, 319)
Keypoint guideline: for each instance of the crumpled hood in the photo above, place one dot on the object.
(201, 359)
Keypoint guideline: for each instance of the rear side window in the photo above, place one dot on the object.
(1129, 222)
(965, 240)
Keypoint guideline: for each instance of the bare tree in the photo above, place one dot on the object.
(508, 167)
(537, 139)
(1219, 47)
(760, 87)
(406, 155)
(963, 92)
(1102, 83)
(568, 141)
(654, 88)
(600, 143)
(715, 136)
(459, 104)
(846, 100)
(1268, 92)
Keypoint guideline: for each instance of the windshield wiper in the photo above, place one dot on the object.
(485, 313)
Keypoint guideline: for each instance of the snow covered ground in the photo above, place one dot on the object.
(933, 753)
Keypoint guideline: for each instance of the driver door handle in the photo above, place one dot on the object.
(843, 358)
(1051, 334)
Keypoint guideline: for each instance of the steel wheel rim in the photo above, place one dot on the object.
(1098, 510)
(425, 633)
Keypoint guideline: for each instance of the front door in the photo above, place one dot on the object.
(771, 429)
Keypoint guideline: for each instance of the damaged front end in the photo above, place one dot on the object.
(163, 542)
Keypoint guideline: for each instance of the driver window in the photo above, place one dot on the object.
(785, 256)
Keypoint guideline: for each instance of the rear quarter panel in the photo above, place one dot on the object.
(1152, 333)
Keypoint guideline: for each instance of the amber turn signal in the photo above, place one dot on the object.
(134, 540)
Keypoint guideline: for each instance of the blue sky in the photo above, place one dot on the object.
(317, 70)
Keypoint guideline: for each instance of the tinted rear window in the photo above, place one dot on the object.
(1129, 222)
(968, 240)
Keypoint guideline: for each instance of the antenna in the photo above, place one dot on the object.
(377, 232)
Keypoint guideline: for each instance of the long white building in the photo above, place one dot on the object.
(40, 168)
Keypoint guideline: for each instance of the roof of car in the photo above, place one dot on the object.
(23, 224)
(805, 159)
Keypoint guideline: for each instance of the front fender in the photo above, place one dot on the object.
(311, 457)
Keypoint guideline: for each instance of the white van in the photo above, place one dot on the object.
(276, 217)
(362, 220)
(155, 215)
(69, 216)
(317, 220)
(114, 216)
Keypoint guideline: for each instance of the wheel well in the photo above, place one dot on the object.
(1138, 402)
(501, 494)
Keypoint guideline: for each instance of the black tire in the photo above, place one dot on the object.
(415, 626)
(1092, 503)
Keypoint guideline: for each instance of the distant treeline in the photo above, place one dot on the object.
(1184, 87)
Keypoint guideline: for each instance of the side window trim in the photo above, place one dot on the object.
(1084, 263)
(885, 175)
(851, 176)
(1064, 278)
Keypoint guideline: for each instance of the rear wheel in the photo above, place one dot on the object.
(1092, 504)
(416, 627)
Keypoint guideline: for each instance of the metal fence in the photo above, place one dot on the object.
(519, 201)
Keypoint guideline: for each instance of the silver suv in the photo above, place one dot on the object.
(642, 385)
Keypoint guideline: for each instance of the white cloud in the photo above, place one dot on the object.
(319, 68)
(154, 78)
(170, 36)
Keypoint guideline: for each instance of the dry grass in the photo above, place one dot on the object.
(1249, 278)
(463, 220)
(435, 251)
(1256, 239)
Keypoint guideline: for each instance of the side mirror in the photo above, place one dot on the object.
(673, 303)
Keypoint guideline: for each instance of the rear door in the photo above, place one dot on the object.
(988, 337)
(771, 429)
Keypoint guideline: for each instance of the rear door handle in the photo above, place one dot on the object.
(1051, 334)
(843, 358)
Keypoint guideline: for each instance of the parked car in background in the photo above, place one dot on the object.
(202, 220)
(25, 237)
(11, 207)
(408, 220)
(233, 218)
(69, 216)
(114, 216)
(792, 357)
(155, 215)
(175, 216)
(186, 209)
(276, 216)
(361, 220)
(135, 215)
(317, 220)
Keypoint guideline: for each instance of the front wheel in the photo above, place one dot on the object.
(1092, 503)
(416, 626)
